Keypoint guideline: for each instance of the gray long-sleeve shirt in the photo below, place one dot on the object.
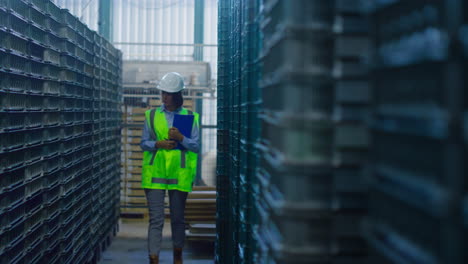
(147, 143)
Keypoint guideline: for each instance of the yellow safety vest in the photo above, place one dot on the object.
(167, 169)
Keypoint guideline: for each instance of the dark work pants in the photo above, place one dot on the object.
(155, 200)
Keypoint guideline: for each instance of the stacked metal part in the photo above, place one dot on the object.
(418, 172)
(60, 94)
(238, 130)
(351, 136)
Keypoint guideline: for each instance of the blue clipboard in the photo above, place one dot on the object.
(184, 124)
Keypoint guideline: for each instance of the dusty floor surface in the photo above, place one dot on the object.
(130, 246)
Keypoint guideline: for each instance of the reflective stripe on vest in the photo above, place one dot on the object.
(164, 181)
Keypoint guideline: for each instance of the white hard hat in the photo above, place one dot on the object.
(172, 83)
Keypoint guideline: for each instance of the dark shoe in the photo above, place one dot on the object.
(178, 256)
(154, 259)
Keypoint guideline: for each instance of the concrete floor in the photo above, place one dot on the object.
(130, 246)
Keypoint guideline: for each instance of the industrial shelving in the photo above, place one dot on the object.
(59, 136)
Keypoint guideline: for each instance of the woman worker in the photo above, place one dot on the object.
(168, 168)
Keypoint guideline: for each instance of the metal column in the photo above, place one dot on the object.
(105, 19)
(198, 56)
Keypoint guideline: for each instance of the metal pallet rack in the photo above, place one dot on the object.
(297, 129)
(60, 94)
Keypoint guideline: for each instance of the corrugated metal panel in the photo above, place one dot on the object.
(210, 54)
(86, 11)
(154, 29)
(195, 74)
(163, 24)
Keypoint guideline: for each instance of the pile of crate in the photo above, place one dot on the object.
(358, 164)
(238, 130)
(350, 119)
(132, 199)
(292, 96)
(222, 178)
(297, 132)
(200, 214)
(418, 173)
(60, 92)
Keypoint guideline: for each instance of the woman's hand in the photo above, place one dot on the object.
(175, 134)
(166, 144)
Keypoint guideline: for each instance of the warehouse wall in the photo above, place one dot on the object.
(86, 11)
(60, 118)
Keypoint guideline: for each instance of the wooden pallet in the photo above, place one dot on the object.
(203, 228)
(133, 155)
(134, 200)
(199, 237)
(133, 162)
(135, 122)
(155, 103)
(133, 184)
(134, 170)
(132, 147)
(128, 212)
(132, 131)
(199, 194)
(133, 178)
(204, 188)
(132, 128)
(201, 210)
(131, 140)
(130, 110)
(133, 191)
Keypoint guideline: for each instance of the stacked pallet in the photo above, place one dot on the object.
(200, 211)
(418, 172)
(296, 200)
(60, 92)
(351, 136)
(290, 185)
(238, 131)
